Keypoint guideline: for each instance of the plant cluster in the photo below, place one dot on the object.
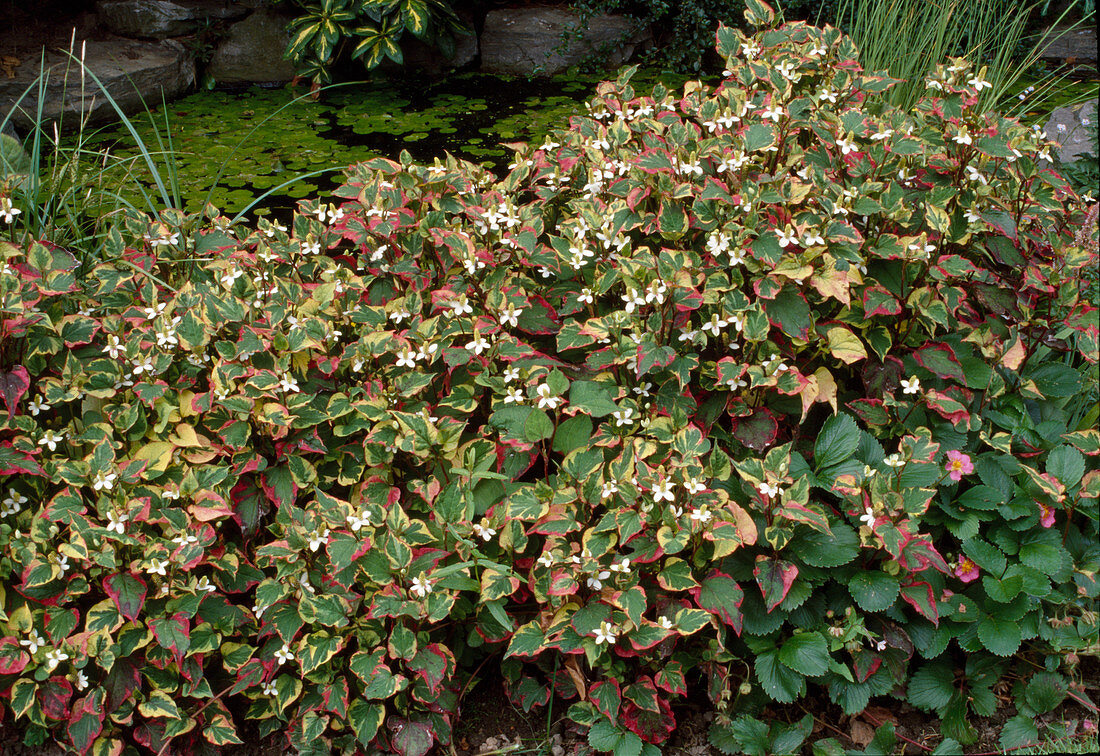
(747, 387)
(373, 29)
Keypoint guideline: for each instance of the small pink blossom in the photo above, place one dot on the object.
(1088, 725)
(966, 570)
(958, 465)
(1046, 515)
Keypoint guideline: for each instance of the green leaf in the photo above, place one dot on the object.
(1045, 691)
(591, 397)
(365, 719)
(1067, 465)
(721, 595)
(931, 687)
(604, 736)
(837, 441)
(574, 433)
(873, 590)
(807, 653)
(1019, 731)
(834, 549)
(781, 683)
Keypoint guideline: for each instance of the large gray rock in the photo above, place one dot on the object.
(1074, 128)
(419, 55)
(252, 53)
(528, 41)
(1074, 45)
(158, 19)
(131, 71)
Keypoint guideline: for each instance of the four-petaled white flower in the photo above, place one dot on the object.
(231, 275)
(606, 633)
(8, 211)
(205, 585)
(510, 314)
(868, 517)
(81, 680)
(880, 645)
(547, 559)
(546, 398)
(715, 325)
(610, 488)
(483, 531)
(595, 582)
(623, 417)
(54, 657)
(284, 655)
(289, 383)
(911, 386)
(979, 83)
(702, 514)
(665, 623)
(767, 489)
(117, 522)
(406, 358)
(357, 521)
(773, 113)
(846, 145)
(156, 567)
(894, 460)
(511, 374)
(104, 481)
(36, 405)
(33, 643)
(623, 566)
(50, 439)
(114, 346)
(826, 95)
(270, 689)
(585, 297)
(513, 396)
(477, 345)
(317, 539)
(421, 586)
(963, 137)
(787, 236)
(143, 365)
(662, 491)
(694, 485)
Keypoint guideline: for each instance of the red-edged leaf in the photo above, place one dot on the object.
(865, 663)
(922, 598)
(775, 577)
(757, 431)
(54, 695)
(652, 727)
(671, 678)
(941, 360)
(607, 697)
(173, 633)
(13, 385)
(878, 301)
(128, 593)
(86, 721)
(13, 659)
(721, 595)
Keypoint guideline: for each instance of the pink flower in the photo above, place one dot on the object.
(1046, 515)
(966, 570)
(958, 465)
(1088, 725)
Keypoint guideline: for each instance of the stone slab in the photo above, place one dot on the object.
(528, 41)
(130, 70)
(252, 51)
(159, 19)
(1074, 128)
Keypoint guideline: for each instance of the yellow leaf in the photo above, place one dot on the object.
(845, 345)
(185, 436)
(1014, 355)
(186, 397)
(832, 283)
(826, 387)
(158, 454)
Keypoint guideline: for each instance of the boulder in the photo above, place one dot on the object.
(1076, 46)
(131, 71)
(431, 59)
(1074, 128)
(528, 41)
(252, 52)
(158, 19)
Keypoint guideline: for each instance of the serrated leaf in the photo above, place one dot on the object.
(836, 442)
(874, 591)
(931, 687)
(806, 653)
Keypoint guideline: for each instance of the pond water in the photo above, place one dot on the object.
(468, 115)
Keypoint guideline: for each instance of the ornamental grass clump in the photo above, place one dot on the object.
(742, 390)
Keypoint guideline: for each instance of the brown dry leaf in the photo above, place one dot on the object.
(861, 733)
(577, 677)
(881, 714)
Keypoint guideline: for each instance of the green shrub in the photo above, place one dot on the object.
(741, 388)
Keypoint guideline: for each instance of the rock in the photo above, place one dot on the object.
(252, 53)
(1075, 129)
(431, 59)
(1072, 45)
(526, 41)
(131, 71)
(158, 19)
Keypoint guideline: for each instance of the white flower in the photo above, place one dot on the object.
(104, 481)
(114, 346)
(284, 655)
(406, 358)
(483, 531)
(811, 238)
(81, 680)
(702, 514)
(826, 95)
(623, 417)
(185, 538)
(421, 586)
(622, 566)
(33, 643)
(156, 567)
(8, 211)
(787, 236)
(774, 362)
(773, 113)
(694, 486)
(513, 396)
(963, 137)
(511, 374)
(270, 689)
(868, 517)
(117, 522)
(143, 365)
(36, 405)
(317, 539)
(545, 397)
(715, 325)
(230, 276)
(204, 584)
(979, 84)
(880, 645)
(606, 633)
(767, 489)
(911, 386)
(50, 439)
(547, 559)
(846, 145)
(665, 623)
(585, 297)
(460, 306)
(358, 521)
(62, 562)
(510, 315)
(884, 134)
(152, 312)
(662, 491)
(54, 657)
(610, 488)
(894, 460)
(595, 582)
(477, 345)
(289, 383)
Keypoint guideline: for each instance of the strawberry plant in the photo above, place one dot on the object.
(751, 389)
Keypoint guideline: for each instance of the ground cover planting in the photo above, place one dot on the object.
(764, 389)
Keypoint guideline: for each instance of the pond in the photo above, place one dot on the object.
(259, 138)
